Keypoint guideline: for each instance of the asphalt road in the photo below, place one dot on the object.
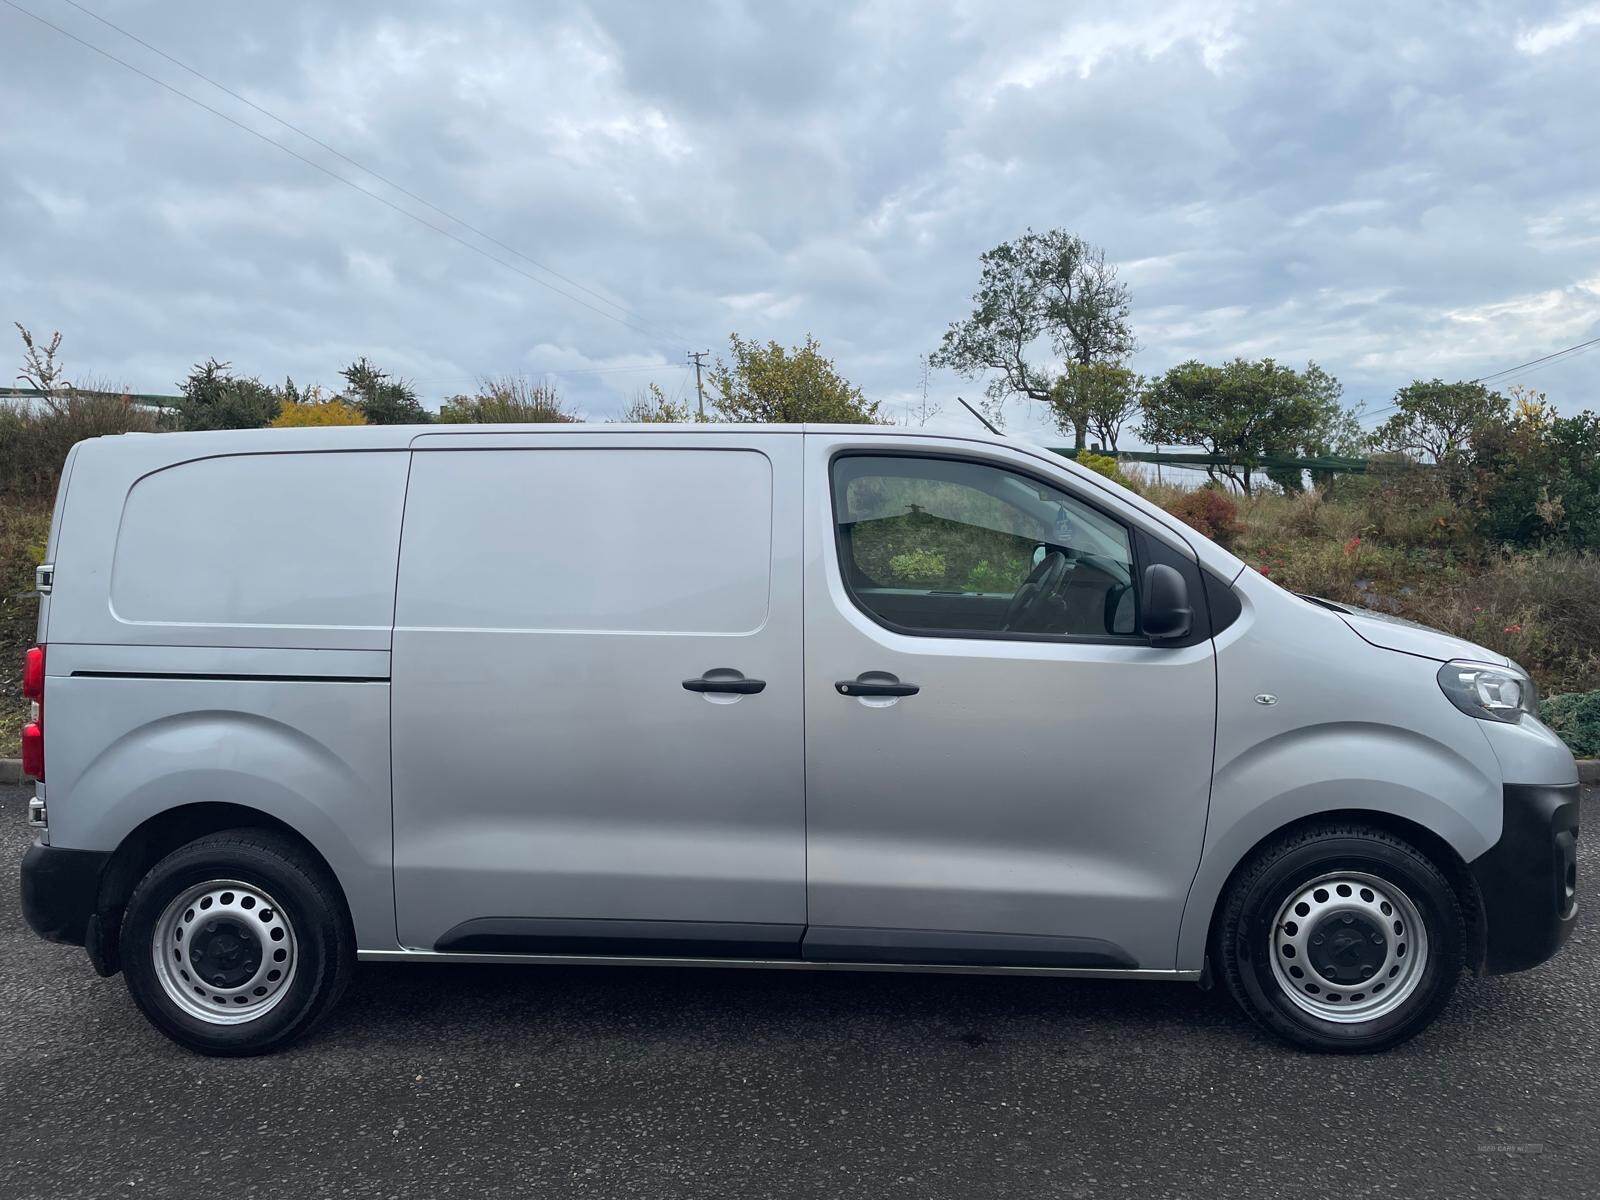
(496, 1082)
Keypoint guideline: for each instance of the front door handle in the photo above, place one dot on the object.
(868, 686)
(725, 686)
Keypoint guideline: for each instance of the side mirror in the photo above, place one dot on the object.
(1166, 610)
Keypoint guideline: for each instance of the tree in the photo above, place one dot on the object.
(652, 407)
(1052, 286)
(1100, 397)
(382, 399)
(1243, 412)
(1329, 429)
(1438, 419)
(769, 383)
(508, 400)
(214, 398)
(40, 370)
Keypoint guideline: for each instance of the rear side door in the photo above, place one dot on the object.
(597, 695)
(1001, 768)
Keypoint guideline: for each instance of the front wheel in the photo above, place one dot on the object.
(1341, 937)
(237, 943)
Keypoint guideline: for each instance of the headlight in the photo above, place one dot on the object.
(1488, 692)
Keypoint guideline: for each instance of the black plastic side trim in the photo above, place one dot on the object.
(647, 939)
(957, 948)
(59, 890)
(1222, 600)
(1528, 879)
(231, 678)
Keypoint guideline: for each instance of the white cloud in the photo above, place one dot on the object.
(1083, 45)
(371, 270)
(1534, 319)
(1391, 194)
(63, 207)
(1538, 39)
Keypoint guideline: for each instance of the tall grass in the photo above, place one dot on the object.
(24, 529)
(507, 400)
(1398, 543)
(35, 437)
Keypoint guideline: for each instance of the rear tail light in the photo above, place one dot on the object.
(33, 731)
(33, 675)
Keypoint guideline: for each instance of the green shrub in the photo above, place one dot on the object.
(918, 566)
(985, 576)
(1103, 464)
(1536, 479)
(381, 398)
(1576, 717)
(215, 398)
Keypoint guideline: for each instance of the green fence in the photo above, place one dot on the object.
(1271, 462)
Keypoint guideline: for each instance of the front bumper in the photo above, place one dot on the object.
(1528, 880)
(60, 889)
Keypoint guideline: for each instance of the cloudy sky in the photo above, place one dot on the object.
(1395, 190)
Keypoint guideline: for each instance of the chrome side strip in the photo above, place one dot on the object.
(778, 964)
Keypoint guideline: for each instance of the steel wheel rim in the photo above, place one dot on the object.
(224, 952)
(1348, 947)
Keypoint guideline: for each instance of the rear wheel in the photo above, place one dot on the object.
(1341, 937)
(237, 943)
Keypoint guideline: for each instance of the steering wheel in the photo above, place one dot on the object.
(1036, 590)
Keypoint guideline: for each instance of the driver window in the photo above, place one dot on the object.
(941, 546)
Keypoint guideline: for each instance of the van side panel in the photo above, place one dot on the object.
(293, 550)
(314, 755)
(219, 632)
(57, 519)
(550, 764)
(1334, 738)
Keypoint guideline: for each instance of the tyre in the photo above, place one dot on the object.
(1341, 938)
(237, 943)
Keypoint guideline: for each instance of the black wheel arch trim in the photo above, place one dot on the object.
(80, 895)
(1527, 881)
(60, 890)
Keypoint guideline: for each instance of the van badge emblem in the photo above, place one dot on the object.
(1266, 698)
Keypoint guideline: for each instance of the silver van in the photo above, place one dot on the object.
(823, 697)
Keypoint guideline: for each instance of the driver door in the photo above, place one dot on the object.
(1036, 793)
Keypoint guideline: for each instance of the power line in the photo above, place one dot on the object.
(385, 201)
(179, 63)
(1527, 368)
(1575, 352)
(1535, 362)
(544, 371)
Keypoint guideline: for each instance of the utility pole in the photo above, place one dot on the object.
(695, 357)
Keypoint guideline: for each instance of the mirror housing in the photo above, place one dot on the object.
(1166, 612)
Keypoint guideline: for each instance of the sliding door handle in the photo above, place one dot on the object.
(725, 686)
(868, 686)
